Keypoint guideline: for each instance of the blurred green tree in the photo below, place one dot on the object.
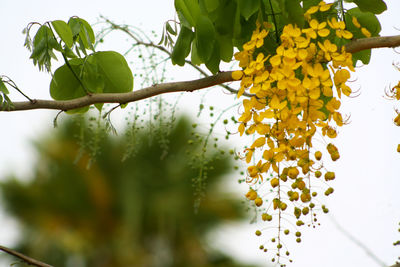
(136, 212)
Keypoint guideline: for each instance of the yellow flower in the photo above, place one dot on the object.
(272, 160)
(340, 78)
(316, 29)
(328, 49)
(255, 171)
(340, 26)
(322, 6)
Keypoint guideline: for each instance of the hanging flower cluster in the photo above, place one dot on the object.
(394, 94)
(296, 93)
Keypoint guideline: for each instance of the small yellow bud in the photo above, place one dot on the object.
(274, 182)
(266, 217)
(286, 232)
(318, 155)
(258, 233)
(258, 201)
(305, 210)
(251, 195)
(329, 176)
(305, 197)
(301, 184)
(294, 196)
(293, 172)
(335, 156)
(329, 191)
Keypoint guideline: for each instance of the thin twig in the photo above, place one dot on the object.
(358, 243)
(14, 85)
(24, 258)
(166, 51)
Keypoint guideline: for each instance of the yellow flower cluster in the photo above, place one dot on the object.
(395, 95)
(292, 98)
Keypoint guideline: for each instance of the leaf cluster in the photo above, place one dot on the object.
(85, 71)
(211, 29)
(5, 101)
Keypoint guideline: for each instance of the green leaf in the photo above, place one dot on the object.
(214, 60)
(295, 12)
(182, 46)
(91, 76)
(43, 44)
(211, 5)
(88, 30)
(63, 31)
(364, 56)
(366, 19)
(194, 56)
(68, 52)
(225, 18)
(64, 85)
(99, 106)
(101, 72)
(226, 47)
(190, 9)
(170, 29)
(373, 6)
(237, 26)
(205, 37)
(184, 22)
(248, 7)
(115, 71)
(75, 26)
(3, 87)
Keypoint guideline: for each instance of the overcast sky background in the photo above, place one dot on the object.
(366, 199)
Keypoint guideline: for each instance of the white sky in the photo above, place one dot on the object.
(366, 199)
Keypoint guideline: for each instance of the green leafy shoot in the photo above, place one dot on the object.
(59, 36)
(168, 32)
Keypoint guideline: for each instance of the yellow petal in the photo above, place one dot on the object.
(346, 90)
(237, 75)
(323, 32)
(259, 142)
(315, 93)
(365, 32)
(274, 103)
(275, 60)
(241, 129)
(347, 34)
(355, 22)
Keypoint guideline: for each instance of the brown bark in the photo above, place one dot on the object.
(185, 86)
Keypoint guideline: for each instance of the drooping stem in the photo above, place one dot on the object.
(24, 258)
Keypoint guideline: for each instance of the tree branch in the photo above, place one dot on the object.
(26, 259)
(185, 86)
(372, 42)
(122, 98)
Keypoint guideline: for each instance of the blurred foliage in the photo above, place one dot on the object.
(136, 212)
